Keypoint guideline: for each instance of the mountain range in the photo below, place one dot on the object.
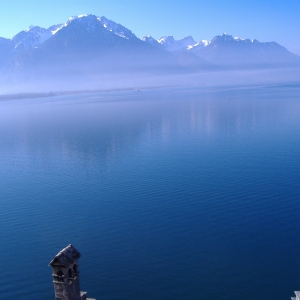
(91, 48)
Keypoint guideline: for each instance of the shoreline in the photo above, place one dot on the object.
(34, 95)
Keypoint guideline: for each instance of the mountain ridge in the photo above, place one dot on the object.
(89, 47)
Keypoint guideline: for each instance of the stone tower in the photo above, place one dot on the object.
(66, 275)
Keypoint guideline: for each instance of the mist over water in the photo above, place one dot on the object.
(73, 80)
(182, 193)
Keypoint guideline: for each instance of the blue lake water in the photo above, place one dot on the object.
(168, 194)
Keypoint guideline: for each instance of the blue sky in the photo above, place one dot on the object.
(264, 20)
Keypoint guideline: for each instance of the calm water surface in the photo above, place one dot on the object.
(167, 194)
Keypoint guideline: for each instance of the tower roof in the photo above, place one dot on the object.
(66, 256)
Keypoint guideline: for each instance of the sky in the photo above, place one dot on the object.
(264, 20)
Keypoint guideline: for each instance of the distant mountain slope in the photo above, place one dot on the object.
(6, 46)
(229, 51)
(88, 47)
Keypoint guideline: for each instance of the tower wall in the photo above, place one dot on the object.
(67, 291)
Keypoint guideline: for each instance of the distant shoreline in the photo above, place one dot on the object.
(34, 95)
(19, 96)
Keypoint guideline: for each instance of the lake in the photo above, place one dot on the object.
(174, 193)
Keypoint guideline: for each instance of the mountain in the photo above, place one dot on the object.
(117, 28)
(227, 50)
(151, 41)
(199, 45)
(172, 45)
(6, 46)
(35, 35)
(23, 41)
(88, 50)
(31, 38)
(179, 49)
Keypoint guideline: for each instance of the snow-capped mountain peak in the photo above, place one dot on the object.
(172, 45)
(34, 36)
(229, 38)
(84, 17)
(201, 44)
(226, 37)
(30, 27)
(90, 21)
(87, 20)
(238, 39)
(30, 38)
(166, 39)
(80, 17)
(150, 40)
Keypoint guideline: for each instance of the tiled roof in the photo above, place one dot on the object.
(66, 256)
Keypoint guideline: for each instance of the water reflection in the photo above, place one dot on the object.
(102, 130)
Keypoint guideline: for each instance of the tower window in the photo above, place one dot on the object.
(60, 275)
(75, 270)
(70, 273)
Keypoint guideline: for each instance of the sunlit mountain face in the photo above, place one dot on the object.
(87, 47)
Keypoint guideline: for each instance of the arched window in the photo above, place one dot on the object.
(60, 276)
(75, 270)
(70, 273)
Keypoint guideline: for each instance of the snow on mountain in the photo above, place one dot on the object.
(150, 40)
(172, 45)
(55, 28)
(199, 45)
(81, 34)
(227, 50)
(30, 38)
(116, 28)
(224, 37)
(229, 38)
(87, 19)
(89, 22)
(91, 39)
(83, 48)
(35, 35)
